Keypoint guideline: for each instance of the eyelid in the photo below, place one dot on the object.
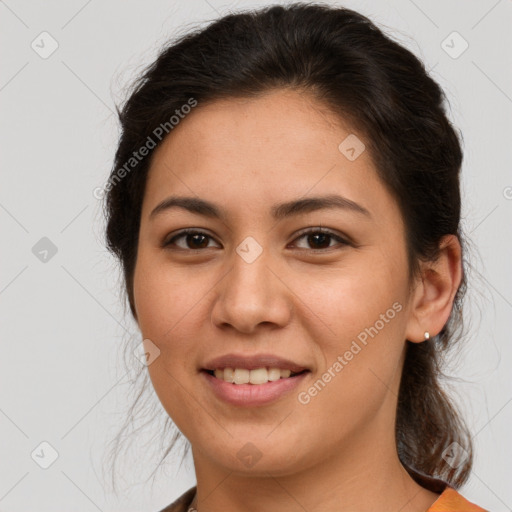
(187, 231)
(342, 239)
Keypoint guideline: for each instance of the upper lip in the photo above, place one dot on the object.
(252, 362)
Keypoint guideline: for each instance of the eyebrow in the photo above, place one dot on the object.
(278, 211)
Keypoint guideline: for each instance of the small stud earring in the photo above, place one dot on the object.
(427, 335)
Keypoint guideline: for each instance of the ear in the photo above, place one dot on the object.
(433, 296)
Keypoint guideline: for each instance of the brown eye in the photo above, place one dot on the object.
(319, 239)
(193, 240)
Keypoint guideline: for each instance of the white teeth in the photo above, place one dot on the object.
(257, 376)
(219, 374)
(241, 376)
(274, 374)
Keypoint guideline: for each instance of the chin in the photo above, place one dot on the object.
(256, 457)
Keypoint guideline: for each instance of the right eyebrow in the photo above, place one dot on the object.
(278, 211)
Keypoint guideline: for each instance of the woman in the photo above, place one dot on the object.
(285, 205)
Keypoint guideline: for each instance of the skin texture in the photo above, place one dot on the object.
(337, 452)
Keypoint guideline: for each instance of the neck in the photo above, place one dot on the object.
(360, 475)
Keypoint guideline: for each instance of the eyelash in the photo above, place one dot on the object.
(189, 231)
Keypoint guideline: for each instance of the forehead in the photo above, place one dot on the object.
(280, 146)
(276, 122)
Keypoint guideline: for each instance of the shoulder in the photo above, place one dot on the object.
(182, 503)
(449, 500)
(452, 501)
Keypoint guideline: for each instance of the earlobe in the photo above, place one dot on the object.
(434, 295)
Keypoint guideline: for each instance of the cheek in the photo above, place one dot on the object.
(348, 302)
(163, 296)
(361, 373)
(166, 305)
(359, 322)
(170, 308)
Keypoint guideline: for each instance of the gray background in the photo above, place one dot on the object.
(62, 318)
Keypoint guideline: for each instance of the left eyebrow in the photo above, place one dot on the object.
(278, 211)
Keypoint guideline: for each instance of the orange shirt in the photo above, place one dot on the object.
(449, 501)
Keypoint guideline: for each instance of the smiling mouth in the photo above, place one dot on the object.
(253, 377)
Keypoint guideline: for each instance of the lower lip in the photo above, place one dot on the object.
(250, 395)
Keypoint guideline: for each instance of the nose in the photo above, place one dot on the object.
(252, 294)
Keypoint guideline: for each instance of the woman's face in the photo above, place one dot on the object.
(252, 283)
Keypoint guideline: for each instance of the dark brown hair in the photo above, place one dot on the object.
(384, 93)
